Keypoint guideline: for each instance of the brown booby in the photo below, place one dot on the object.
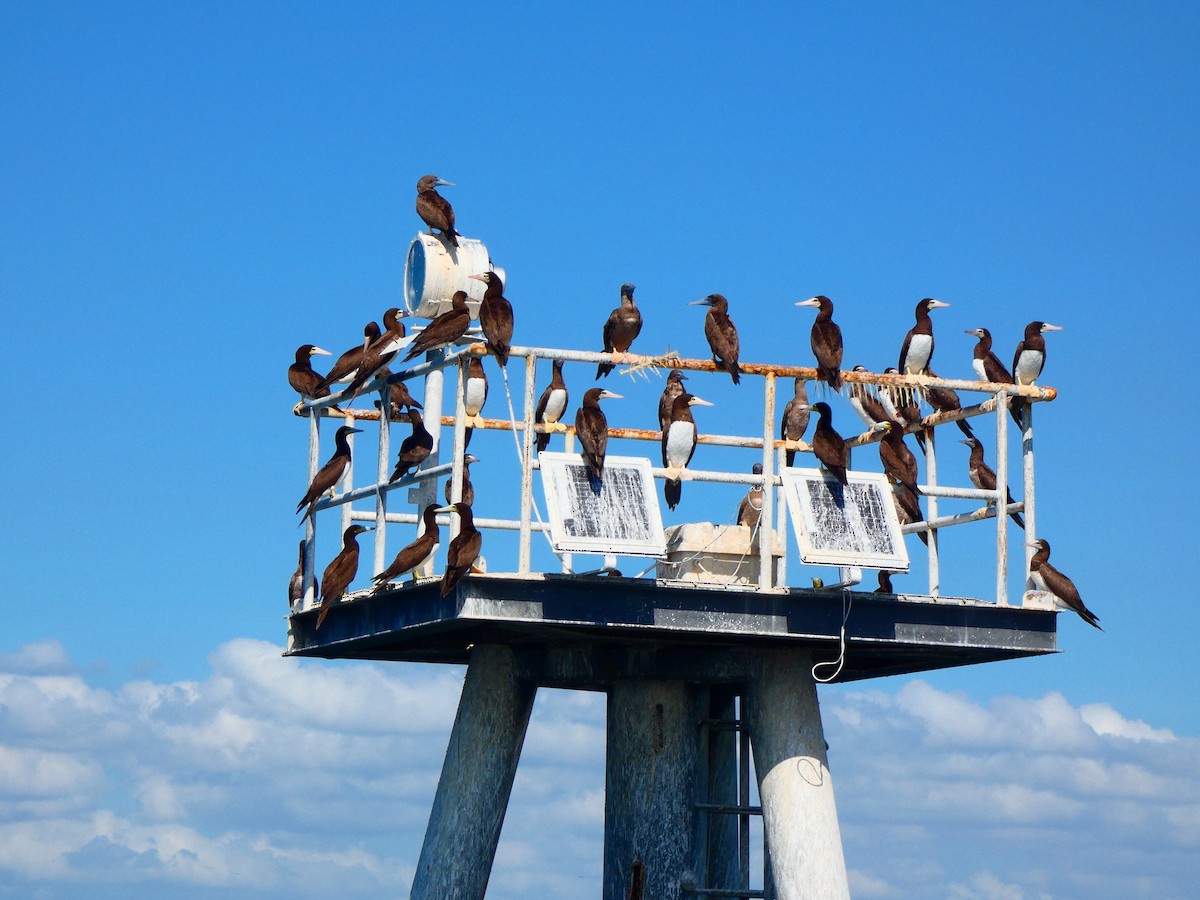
(414, 449)
(434, 209)
(464, 549)
(721, 333)
(827, 444)
(673, 389)
(983, 477)
(908, 509)
(795, 418)
(495, 316)
(468, 490)
(679, 443)
(340, 572)
(591, 428)
(475, 391)
(988, 367)
(826, 341)
(399, 397)
(444, 330)
(885, 583)
(347, 364)
(296, 585)
(866, 403)
(750, 509)
(380, 351)
(944, 400)
(1030, 356)
(1047, 578)
(899, 464)
(330, 473)
(917, 349)
(623, 325)
(552, 405)
(415, 553)
(302, 378)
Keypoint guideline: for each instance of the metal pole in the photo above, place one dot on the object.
(347, 482)
(310, 525)
(1028, 498)
(766, 531)
(523, 547)
(477, 776)
(799, 815)
(935, 577)
(381, 474)
(1002, 494)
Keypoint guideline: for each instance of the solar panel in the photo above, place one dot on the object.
(854, 525)
(621, 518)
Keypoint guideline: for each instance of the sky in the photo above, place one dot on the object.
(190, 191)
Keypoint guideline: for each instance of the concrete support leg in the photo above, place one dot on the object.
(477, 776)
(799, 815)
(650, 790)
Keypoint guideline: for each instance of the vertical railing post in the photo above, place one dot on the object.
(525, 541)
(1002, 494)
(381, 474)
(310, 523)
(347, 480)
(1028, 496)
(421, 495)
(459, 444)
(766, 529)
(931, 513)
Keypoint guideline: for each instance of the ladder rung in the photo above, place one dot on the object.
(730, 810)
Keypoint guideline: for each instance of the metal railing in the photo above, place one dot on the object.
(424, 480)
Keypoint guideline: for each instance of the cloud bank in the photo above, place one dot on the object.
(275, 777)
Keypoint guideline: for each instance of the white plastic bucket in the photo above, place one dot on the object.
(434, 270)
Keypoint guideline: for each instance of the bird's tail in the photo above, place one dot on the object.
(672, 491)
(789, 457)
(1016, 517)
(831, 375)
(1088, 616)
(325, 608)
(452, 236)
(501, 351)
(543, 441)
(839, 472)
(603, 369)
(965, 427)
(735, 372)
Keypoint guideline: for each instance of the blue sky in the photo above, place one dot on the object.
(193, 190)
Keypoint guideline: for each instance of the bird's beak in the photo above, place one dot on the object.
(450, 508)
(1046, 326)
(478, 277)
(610, 395)
(704, 302)
(696, 401)
(881, 426)
(812, 301)
(356, 431)
(974, 331)
(441, 183)
(938, 304)
(317, 351)
(470, 458)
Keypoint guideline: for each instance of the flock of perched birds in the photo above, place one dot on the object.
(890, 412)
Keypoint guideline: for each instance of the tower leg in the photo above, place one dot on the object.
(650, 788)
(477, 776)
(799, 815)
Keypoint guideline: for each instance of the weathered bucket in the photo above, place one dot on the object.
(434, 270)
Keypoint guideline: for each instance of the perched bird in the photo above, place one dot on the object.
(464, 549)
(983, 477)
(826, 340)
(679, 443)
(1030, 356)
(885, 583)
(468, 492)
(722, 334)
(495, 316)
(944, 400)
(444, 330)
(296, 585)
(475, 391)
(414, 449)
(415, 553)
(901, 406)
(380, 351)
(552, 405)
(917, 349)
(866, 403)
(591, 428)
(795, 418)
(673, 389)
(899, 464)
(347, 364)
(988, 367)
(908, 509)
(330, 473)
(399, 397)
(827, 444)
(750, 509)
(1047, 578)
(622, 327)
(434, 209)
(340, 572)
(302, 378)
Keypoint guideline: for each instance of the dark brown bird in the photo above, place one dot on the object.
(468, 491)
(296, 585)
(1030, 355)
(445, 329)
(673, 389)
(399, 398)
(330, 473)
(415, 553)
(340, 572)
(302, 378)
(679, 443)
(908, 509)
(591, 429)
(750, 509)
(1047, 578)
(414, 449)
(722, 334)
(885, 583)
(827, 444)
(380, 351)
(623, 325)
(866, 402)
(434, 209)
(475, 391)
(983, 477)
(347, 364)
(495, 316)
(552, 405)
(795, 418)
(899, 464)
(945, 400)
(826, 341)
(464, 549)
(917, 349)
(988, 367)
